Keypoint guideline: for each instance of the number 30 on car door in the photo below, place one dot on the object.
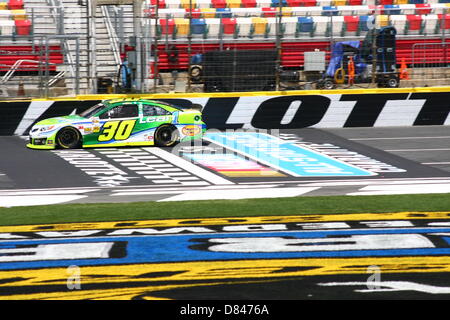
(117, 130)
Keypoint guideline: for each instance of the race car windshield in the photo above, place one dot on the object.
(92, 110)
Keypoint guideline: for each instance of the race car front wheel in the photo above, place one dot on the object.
(68, 138)
(166, 136)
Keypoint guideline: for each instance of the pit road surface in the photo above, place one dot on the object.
(381, 161)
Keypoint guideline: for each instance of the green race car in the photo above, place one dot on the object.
(115, 123)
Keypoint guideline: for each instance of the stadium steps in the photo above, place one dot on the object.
(43, 22)
(106, 65)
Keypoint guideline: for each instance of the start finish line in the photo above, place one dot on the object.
(285, 156)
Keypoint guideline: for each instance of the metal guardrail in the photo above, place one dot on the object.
(57, 10)
(152, 50)
(10, 73)
(113, 37)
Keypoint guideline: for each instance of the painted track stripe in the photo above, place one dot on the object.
(417, 150)
(399, 138)
(435, 163)
(187, 178)
(165, 181)
(188, 166)
(229, 221)
(194, 183)
(239, 194)
(141, 158)
(275, 163)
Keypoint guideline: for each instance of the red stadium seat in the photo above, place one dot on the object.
(446, 19)
(196, 13)
(423, 8)
(249, 3)
(309, 3)
(229, 25)
(161, 3)
(415, 21)
(269, 12)
(15, 4)
(10, 54)
(352, 23)
(167, 26)
(294, 3)
(23, 27)
(219, 3)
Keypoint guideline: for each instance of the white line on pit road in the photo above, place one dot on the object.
(188, 166)
(239, 194)
(401, 189)
(368, 181)
(399, 138)
(417, 150)
(374, 182)
(435, 163)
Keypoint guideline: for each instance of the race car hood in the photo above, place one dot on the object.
(60, 120)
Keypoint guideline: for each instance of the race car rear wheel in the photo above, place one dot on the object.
(166, 136)
(68, 138)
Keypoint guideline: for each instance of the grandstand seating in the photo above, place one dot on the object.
(9, 54)
(14, 22)
(309, 11)
(305, 23)
(292, 53)
(203, 4)
(253, 21)
(303, 26)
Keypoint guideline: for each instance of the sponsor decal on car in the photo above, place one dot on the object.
(191, 130)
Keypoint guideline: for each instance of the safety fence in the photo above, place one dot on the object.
(430, 61)
(265, 110)
(195, 46)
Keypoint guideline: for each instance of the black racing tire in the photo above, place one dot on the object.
(166, 136)
(328, 84)
(392, 83)
(68, 138)
(195, 73)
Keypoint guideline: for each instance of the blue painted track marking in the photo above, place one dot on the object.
(196, 247)
(283, 155)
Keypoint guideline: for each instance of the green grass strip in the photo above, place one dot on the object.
(221, 208)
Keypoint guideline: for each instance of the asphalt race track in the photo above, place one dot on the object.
(247, 164)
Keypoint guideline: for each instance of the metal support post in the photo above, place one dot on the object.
(278, 45)
(92, 8)
(137, 13)
(189, 47)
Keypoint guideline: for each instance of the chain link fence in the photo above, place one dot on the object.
(191, 46)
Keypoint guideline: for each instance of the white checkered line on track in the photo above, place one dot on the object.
(351, 188)
(162, 167)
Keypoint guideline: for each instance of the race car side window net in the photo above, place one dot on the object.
(92, 110)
